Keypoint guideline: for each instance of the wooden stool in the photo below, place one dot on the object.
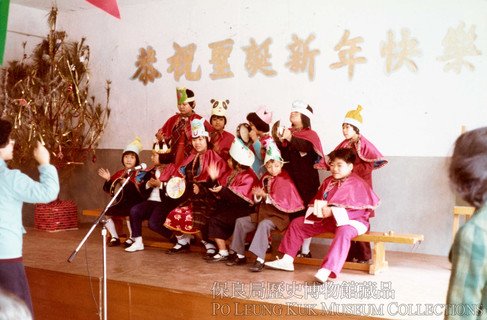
(461, 211)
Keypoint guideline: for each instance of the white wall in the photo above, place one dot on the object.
(407, 115)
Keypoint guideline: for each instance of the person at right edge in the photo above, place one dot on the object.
(467, 291)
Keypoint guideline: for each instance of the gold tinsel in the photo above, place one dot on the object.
(46, 96)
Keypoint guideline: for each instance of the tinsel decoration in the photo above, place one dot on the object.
(46, 96)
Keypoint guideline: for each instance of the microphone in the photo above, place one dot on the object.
(141, 166)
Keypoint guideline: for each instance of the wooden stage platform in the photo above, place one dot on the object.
(150, 284)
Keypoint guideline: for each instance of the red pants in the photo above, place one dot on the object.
(337, 254)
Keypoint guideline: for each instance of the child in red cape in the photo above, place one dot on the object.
(347, 201)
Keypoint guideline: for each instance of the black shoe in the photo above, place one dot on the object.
(183, 248)
(210, 253)
(304, 255)
(257, 267)
(128, 242)
(218, 257)
(234, 260)
(114, 242)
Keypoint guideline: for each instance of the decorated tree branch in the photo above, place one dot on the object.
(46, 96)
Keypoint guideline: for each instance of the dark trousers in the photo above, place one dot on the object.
(155, 212)
(14, 280)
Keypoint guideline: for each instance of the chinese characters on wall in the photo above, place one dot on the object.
(398, 51)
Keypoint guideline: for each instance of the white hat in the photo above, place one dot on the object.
(198, 128)
(134, 146)
(219, 107)
(301, 107)
(241, 153)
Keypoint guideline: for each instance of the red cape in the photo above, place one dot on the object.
(365, 150)
(222, 143)
(167, 128)
(121, 172)
(242, 184)
(351, 193)
(209, 156)
(311, 136)
(283, 193)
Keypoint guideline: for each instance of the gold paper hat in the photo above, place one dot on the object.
(354, 117)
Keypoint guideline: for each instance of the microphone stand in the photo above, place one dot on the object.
(101, 219)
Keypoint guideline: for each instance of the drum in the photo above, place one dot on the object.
(175, 187)
(243, 130)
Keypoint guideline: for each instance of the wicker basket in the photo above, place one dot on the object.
(58, 215)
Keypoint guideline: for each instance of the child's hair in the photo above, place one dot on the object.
(189, 94)
(305, 120)
(468, 166)
(211, 118)
(5, 130)
(164, 158)
(346, 154)
(357, 130)
(208, 143)
(236, 165)
(137, 162)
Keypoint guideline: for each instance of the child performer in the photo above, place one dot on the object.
(467, 290)
(342, 206)
(200, 170)
(221, 139)
(259, 122)
(279, 198)
(177, 128)
(234, 197)
(130, 194)
(367, 159)
(158, 204)
(301, 149)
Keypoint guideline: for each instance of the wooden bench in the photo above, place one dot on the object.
(461, 211)
(378, 261)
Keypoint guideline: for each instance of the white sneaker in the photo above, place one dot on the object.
(279, 264)
(136, 246)
(322, 275)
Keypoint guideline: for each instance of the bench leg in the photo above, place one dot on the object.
(379, 259)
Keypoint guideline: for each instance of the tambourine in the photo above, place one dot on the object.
(243, 130)
(277, 131)
(116, 185)
(175, 187)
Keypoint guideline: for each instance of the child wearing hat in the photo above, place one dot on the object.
(15, 189)
(367, 159)
(234, 197)
(177, 129)
(342, 205)
(157, 204)
(221, 139)
(259, 122)
(278, 199)
(201, 171)
(301, 149)
(130, 194)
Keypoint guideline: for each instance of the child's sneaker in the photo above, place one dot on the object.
(279, 264)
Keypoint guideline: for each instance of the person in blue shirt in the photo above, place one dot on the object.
(15, 189)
